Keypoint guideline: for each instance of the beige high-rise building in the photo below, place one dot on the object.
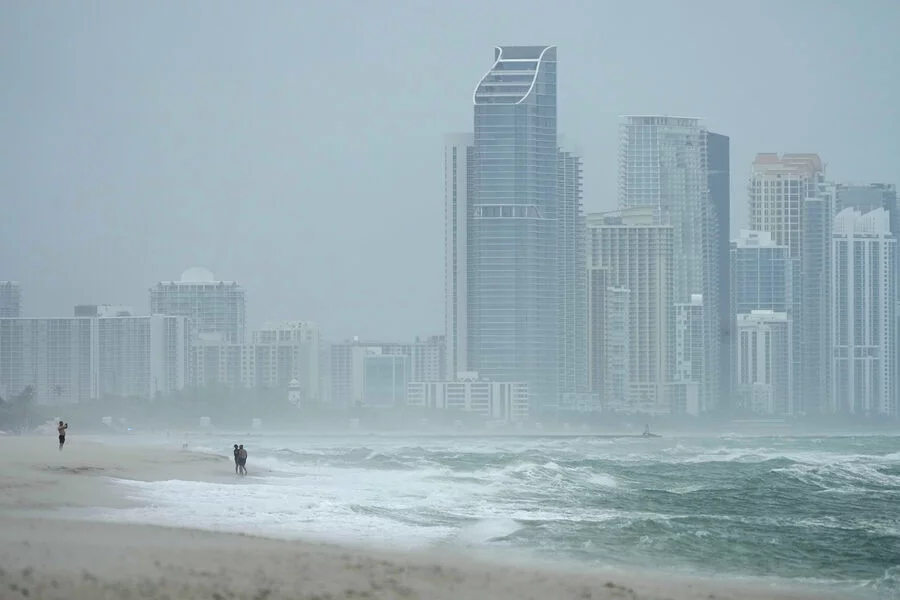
(637, 255)
(778, 186)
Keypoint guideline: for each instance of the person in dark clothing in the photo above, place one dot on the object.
(237, 459)
(61, 429)
(242, 459)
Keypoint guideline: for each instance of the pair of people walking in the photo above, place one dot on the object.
(240, 460)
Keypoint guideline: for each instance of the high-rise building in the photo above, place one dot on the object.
(428, 359)
(10, 300)
(689, 359)
(212, 306)
(863, 313)
(516, 301)
(384, 378)
(789, 199)
(868, 197)
(778, 186)
(718, 153)
(283, 355)
(608, 338)
(573, 340)
(665, 165)
(763, 276)
(813, 304)
(637, 254)
(287, 351)
(76, 359)
(348, 367)
(459, 178)
(763, 362)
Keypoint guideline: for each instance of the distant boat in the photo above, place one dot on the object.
(647, 433)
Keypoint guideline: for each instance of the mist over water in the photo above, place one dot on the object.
(809, 510)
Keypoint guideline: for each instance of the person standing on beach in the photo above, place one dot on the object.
(61, 428)
(242, 460)
(237, 460)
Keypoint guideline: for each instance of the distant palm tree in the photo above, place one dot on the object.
(57, 390)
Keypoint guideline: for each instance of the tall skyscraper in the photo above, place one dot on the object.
(212, 306)
(863, 312)
(718, 152)
(812, 308)
(665, 165)
(573, 281)
(636, 254)
(459, 178)
(516, 283)
(789, 199)
(10, 300)
(866, 198)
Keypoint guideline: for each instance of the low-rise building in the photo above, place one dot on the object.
(496, 400)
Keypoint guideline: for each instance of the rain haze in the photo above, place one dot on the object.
(295, 147)
(680, 381)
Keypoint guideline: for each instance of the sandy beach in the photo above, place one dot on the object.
(45, 555)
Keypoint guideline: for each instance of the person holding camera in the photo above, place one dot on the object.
(61, 428)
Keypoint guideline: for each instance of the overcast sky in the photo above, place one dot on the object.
(296, 146)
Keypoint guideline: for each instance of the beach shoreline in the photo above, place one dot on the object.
(52, 556)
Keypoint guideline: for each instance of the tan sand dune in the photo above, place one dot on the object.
(53, 558)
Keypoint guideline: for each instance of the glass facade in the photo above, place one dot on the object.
(664, 165)
(515, 288)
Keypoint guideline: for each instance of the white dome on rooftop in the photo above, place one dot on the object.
(197, 275)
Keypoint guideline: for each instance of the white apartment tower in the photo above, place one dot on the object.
(212, 306)
(763, 362)
(863, 263)
(608, 338)
(637, 254)
(282, 355)
(778, 187)
(75, 359)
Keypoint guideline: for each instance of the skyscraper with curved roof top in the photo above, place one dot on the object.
(514, 288)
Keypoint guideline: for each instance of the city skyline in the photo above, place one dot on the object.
(130, 160)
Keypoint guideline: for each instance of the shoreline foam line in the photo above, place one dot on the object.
(79, 560)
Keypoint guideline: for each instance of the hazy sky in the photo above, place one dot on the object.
(296, 146)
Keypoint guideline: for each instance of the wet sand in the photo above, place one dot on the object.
(43, 554)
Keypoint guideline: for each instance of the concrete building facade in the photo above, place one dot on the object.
(863, 314)
(637, 255)
(77, 359)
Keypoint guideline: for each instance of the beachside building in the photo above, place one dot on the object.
(499, 401)
(514, 231)
(863, 313)
(677, 168)
(77, 359)
(211, 305)
(276, 354)
(636, 253)
(763, 362)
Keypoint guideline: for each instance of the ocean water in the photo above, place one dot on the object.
(820, 511)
